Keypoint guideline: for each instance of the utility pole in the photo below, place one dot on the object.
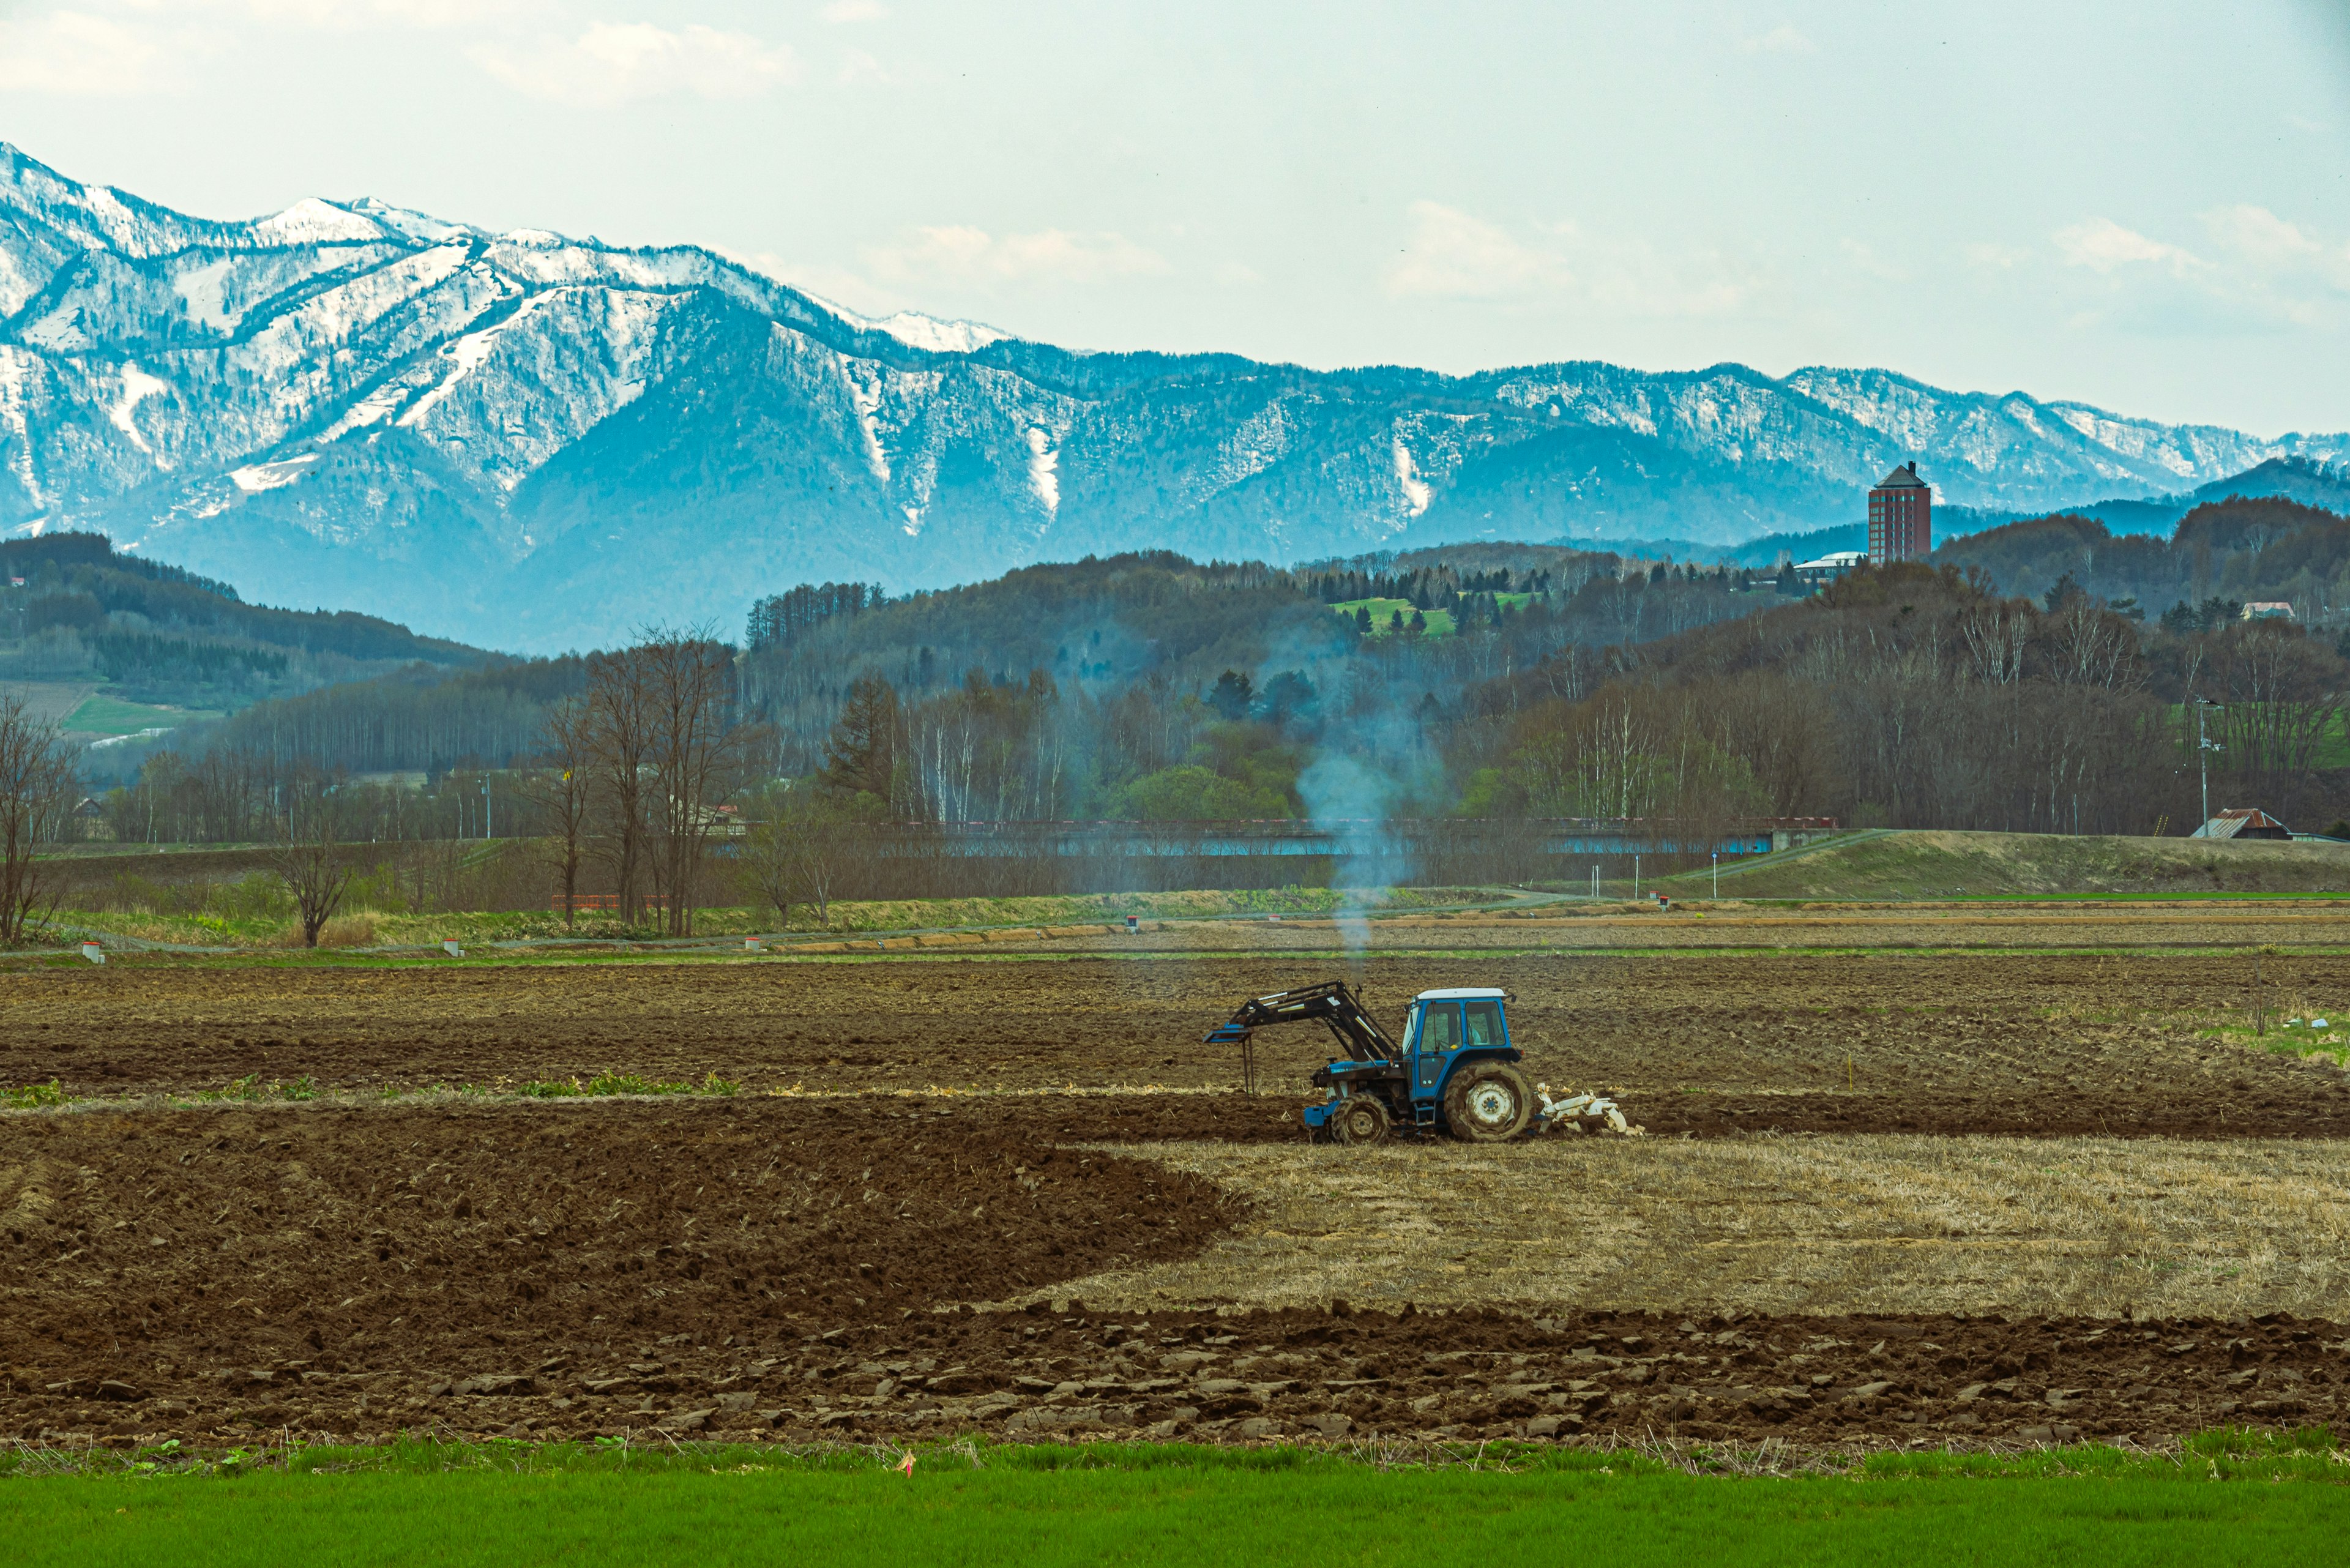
(489, 819)
(2204, 747)
(1717, 875)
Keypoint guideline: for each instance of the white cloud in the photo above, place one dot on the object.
(80, 55)
(2102, 246)
(967, 256)
(2260, 236)
(841, 10)
(1782, 40)
(2259, 273)
(613, 62)
(1865, 258)
(1994, 257)
(425, 14)
(859, 69)
(1453, 255)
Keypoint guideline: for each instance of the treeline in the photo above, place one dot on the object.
(1145, 687)
(1157, 628)
(1916, 697)
(417, 718)
(781, 620)
(2235, 551)
(1440, 587)
(629, 777)
(1153, 689)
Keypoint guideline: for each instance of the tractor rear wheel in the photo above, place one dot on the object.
(1488, 1102)
(1359, 1121)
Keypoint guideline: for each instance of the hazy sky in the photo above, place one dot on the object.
(2138, 204)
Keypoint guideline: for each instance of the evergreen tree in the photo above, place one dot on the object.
(1232, 695)
(862, 752)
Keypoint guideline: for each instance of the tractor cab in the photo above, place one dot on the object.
(1446, 1029)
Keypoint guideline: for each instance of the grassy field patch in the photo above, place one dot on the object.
(102, 715)
(1095, 1505)
(253, 913)
(1383, 611)
(1935, 865)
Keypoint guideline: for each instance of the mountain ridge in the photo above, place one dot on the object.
(535, 442)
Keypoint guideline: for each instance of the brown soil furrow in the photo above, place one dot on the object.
(1697, 1043)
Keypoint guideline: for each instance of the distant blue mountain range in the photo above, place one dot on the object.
(534, 442)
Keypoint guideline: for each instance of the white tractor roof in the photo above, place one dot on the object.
(1462, 993)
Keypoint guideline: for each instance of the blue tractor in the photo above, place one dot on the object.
(1454, 1072)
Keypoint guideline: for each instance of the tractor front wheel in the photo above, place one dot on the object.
(1488, 1102)
(1359, 1121)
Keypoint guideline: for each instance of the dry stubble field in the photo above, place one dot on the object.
(1947, 1194)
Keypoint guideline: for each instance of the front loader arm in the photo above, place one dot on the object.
(1333, 1002)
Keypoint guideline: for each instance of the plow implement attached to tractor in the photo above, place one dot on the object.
(1453, 1072)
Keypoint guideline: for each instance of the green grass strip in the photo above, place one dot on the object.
(2215, 1501)
(1359, 1515)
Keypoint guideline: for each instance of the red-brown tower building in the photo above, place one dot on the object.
(1900, 518)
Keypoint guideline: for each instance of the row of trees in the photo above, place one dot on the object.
(37, 792)
(638, 770)
(1917, 698)
(1907, 696)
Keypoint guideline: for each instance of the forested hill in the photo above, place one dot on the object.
(77, 615)
(1098, 651)
(1920, 696)
(2222, 555)
(1153, 687)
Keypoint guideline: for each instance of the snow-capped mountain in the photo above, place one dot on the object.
(536, 441)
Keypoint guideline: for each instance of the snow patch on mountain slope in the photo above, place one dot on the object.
(18, 282)
(1416, 493)
(17, 369)
(200, 290)
(254, 478)
(468, 354)
(2185, 451)
(919, 331)
(414, 224)
(60, 331)
(1043, 465)
(137, 386)
(866, 385)
(1256, 444)
(312, 222)
(373, 409)
(932, 333)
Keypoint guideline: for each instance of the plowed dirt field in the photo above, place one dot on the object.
(786, 1268)
(869, 1256)
(1702, 1042)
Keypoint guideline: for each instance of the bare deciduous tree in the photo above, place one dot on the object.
(561, 789)
(770, 863)
(36, 780)
(619, 740)
(306, 859)
(687, 681)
